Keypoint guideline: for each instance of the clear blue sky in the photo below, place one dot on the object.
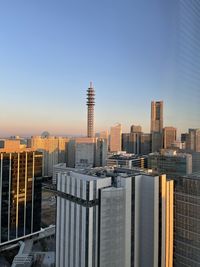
(50, 50)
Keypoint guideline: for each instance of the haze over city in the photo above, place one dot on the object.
(50, 52)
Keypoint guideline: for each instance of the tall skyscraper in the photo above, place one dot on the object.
(116, 138)
(91, 222)
(169, 136)
(123, 221)
(20, 193)
(90, 115)
(156, 124)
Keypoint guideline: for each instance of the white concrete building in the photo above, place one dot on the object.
(91, 218)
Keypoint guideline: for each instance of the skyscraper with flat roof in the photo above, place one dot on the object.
(116, 138)
(156, 124)
(20, 194)
(136, 129)
(169, 136)
(91, 222)
(53, 149)
(113, 220)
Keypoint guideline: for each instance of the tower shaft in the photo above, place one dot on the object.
(90, 115)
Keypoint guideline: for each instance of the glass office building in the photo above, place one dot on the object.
(20, 194)
(187, 222)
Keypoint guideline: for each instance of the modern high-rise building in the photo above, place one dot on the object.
(20, 193)
(104, 135)
(153, 221)
(156, 125)
(136, 143)
(86, 152)
(184, 137)
(125, 142)
(91, 221)
(101, 152)
(171, 163)
(53, 149)
(10, 144)
(90, 115)
(157, 116)
(124, 221)
(145, 144)
(187, 221)
(128, 161)
(136, 129)
(115, 138)
(169, 136)
(193, 140)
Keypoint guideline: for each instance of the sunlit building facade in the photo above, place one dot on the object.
(169, 136)
(53, 149)
(115, 138)
(157, 125)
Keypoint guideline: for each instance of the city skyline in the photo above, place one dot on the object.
(83, 130)
(45, 74)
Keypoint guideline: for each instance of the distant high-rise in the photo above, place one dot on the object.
(193, 140)
(90, 117)
(115, 138)
(53, 149)
(86, 152)
(169, 136)
(156, 124)
(157, 116)
(136, 129)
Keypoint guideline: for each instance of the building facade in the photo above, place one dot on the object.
(187, 221)
(53, 149)
(136, 129)
(83, 236)
(157, 125)
(87, 152)
(115, 138)
(20, 194)
(128, 161)
(113, 220)
(193, 140)
(169, 136)
(171, 163)
(145, 144)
